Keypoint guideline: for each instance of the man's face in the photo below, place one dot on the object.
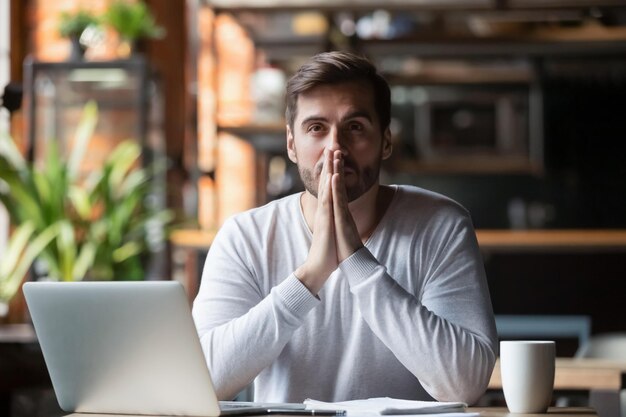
(338, 117)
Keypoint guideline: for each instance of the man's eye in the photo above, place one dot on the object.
(315, 128)
(355, 126)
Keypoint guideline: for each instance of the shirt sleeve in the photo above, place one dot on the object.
(241, 331)
(448, 331)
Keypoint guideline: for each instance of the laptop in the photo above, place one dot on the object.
(126, 348)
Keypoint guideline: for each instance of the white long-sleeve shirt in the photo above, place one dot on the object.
(407, 316)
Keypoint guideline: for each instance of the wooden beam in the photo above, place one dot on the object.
(167, 55)
(19, 39)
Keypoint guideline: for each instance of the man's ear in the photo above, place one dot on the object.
(387, 146)
(291, 146)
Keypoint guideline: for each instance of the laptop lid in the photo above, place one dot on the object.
(122, 347)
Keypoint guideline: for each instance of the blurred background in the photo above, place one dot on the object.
(514, 108)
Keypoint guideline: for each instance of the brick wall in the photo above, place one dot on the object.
(46, 44)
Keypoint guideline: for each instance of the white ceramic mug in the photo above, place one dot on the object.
(527, 369)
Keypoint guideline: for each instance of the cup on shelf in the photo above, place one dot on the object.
(527, 369)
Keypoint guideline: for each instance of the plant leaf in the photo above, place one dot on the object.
(19, 240)
(13, 280)
(85, 260)
(10, 151)
(121, 161)
(80, 201)
(84, 133)
(126, 251)
(56, 174)
(66, 243)
(24, 200)
(135, 180)
(43, 187)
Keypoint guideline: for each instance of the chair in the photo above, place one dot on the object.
(609, 346)
(544, 327)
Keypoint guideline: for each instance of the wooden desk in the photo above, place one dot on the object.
(557, 411)
(484, 411)
(580, 374)
(605, 381)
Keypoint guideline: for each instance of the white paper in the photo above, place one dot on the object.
(391, 406)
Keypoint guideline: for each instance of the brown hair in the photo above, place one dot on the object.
(333, 68)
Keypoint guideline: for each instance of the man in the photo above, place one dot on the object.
(350, 289)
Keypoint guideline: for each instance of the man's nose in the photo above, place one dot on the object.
(336, 141)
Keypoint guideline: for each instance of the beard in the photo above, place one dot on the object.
(366, 178)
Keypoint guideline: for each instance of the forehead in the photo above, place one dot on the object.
(334, 99)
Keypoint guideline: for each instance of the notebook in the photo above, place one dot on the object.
(384, 406)
(126, 348)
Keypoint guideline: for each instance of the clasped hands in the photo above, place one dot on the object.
(335, 235)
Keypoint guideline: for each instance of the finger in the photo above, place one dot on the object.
(328, 162)
(341, 191)
(324, 165)
(331, 162)
(325, 201)
(346, 233)
(341, 217)
(340, 198)
(338, 163)
(322, 177)
(338, 171)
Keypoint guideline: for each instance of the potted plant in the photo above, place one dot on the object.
(72, 26)
(123, 221)
(133, 22)
(74, 228)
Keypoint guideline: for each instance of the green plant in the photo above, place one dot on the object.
(73, 24)
(132, 20)
(98, 227)
(128, 225)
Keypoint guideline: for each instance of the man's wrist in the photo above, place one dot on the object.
(355, 248)
(307, 279)
(359, 266)
(296, 297)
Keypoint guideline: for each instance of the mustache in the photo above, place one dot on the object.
(347, 163)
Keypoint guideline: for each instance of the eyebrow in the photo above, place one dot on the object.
(355, 114)
(313, 119)
(358, 113)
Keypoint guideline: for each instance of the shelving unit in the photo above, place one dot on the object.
(190, 246)
(552, 240)
(128, 97)
(488, 240)
(509, 37)
(501, 50)
(130, 107)
(331, 5)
